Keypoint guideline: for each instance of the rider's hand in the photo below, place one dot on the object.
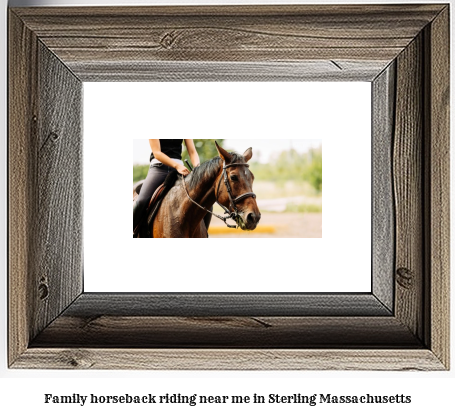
(182, 170)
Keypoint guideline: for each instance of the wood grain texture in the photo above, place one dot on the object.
(215, 305)
(227, 34)
(21, 176)
(255, 332)
(407, 173)
(57, 221)
(181, 359)
(225, 321)
(308, 71)
(383, 214)
(438, 192)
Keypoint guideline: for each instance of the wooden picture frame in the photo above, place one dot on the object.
(403, 324)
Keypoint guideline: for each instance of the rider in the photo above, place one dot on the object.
(166, 156)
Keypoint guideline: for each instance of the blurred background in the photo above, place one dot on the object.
(288, 184)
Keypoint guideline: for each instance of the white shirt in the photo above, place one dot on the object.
(156, 161)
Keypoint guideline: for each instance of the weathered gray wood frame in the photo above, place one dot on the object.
(403, 50)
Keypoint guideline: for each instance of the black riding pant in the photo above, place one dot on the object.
(155, 177)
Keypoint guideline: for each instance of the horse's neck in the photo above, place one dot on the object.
(204, 193)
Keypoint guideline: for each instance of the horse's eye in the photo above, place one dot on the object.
(234, 178)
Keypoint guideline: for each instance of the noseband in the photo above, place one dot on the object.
(234, 214)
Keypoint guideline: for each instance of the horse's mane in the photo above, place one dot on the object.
(208, 168)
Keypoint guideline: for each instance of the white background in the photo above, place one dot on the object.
(22, 391)
(116, 113)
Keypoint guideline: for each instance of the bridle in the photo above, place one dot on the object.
(234, 214)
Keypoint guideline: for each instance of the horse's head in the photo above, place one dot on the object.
(240, 179)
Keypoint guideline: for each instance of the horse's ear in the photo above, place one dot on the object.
(226, 156)
(248, 154)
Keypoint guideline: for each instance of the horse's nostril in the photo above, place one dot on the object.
(253, 218)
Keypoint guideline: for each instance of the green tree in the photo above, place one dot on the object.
(139, 172)
(290, 165)
(313, 169)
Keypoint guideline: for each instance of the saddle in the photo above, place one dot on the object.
(143, 230)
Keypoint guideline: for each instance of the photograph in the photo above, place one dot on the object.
(216, 189)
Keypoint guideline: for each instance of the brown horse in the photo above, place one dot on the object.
(225, 179)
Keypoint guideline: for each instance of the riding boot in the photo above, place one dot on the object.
(135, 216)
(137, 219)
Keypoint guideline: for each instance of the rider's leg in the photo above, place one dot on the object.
(155, 177)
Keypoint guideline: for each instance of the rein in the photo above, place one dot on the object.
(232, 201)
